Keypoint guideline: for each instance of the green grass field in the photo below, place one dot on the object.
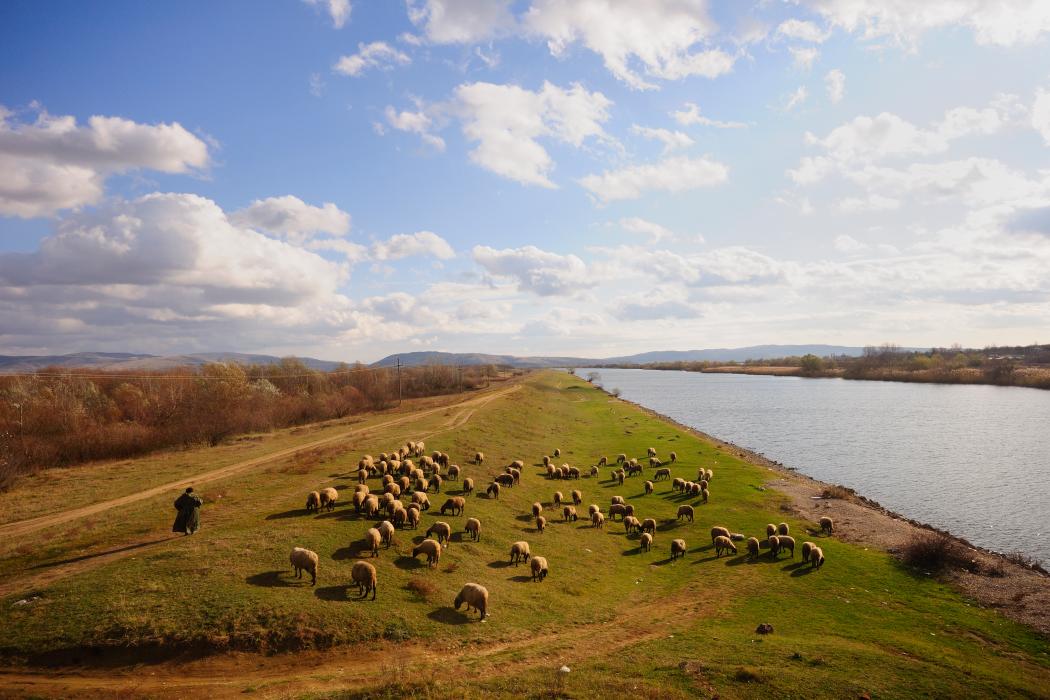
(626, 622)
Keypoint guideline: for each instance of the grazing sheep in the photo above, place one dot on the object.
(421, 499)
(517, 464)
(628, 509)
(364, 575)
(557, 452)
(594, 471)
(441, 530)
(649, 487)
(387, 479)
(537, 508)
(541, 523)
(362, 476)
(816, 558)
(649, 525)
(807, 548)
(788, 543)
(827, 525)
(304, 560)
(432, 548)
(617, 509)
(602, 461)
(703, 484)
(700, 474)
(568, 513)
(630, 524)
(694, 489)
(674, 457)
(557, 498)
(505, 480)
(574, 472)
(620, 474)
(386, 531)
(479, 458)
(651, 452)
(328, 498)
(386, 500)
(546, 460)
(597, 520)
(633, 469)
(678, 484)
(539, 568)
(313, 502)
(493, 490)
(736, 537)
(519, 551)
(593, 508)
(752, 546)
(708, 475)
(654, 462)
(677, 549)
(645, 542)
(468, 485)
(435, 481)
(724, 544)
(473, 526)
(617, 499)
(405, 483)
(474, 596)
(373, 538)
(771, 530)
(783, 529)
(516, 473)
(456, 504)
(685, 512)
(453, 472)
(705, 494)
(717, 531)
(400, 517)
(394, 489)
(395, 507)
(621, 458)
(661, 474)
(774, 545)
(371, 506)
(422, 485)
(577, 497)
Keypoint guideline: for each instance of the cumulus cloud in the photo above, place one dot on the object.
(873, 202)
(690, 115)
(461, 21)
(803, 56)
(338, 10)
(655, 305)
(845, 243)
(535, 270)
(675, 174)
(418, 122)
(796, 98)
(404, 245)
(661, 37)
(802, 31)
(292, 218)
(1041, 114)
(52, 163)
(655, 232)
(378, 54)
(672, 140)
(994, 22)
(835, 83)
(506, 122)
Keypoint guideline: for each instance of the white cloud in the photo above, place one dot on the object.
(507, 120)
(338, 10)
(835, 82)
(404, 245)
(796, 98)
(53, 163)
(672, 140)
(378, 54)
(461, 21)
(996, 22)
(399, 307)
(690, 115)
(1041, 114)
(675, 174)
(803, 57)
(353, 252)
(292, 218)
(417, 123)
(655, 232)
(654, 305)
(657, 35)
(802, 31)
(535, 270)
(873, 202)
(848, 244)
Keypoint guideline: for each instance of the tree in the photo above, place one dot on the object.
(811, 364)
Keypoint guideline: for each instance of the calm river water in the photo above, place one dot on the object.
(974, 460)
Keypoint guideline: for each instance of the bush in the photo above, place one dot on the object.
(933, 552)
(423, 588)
(839, 492)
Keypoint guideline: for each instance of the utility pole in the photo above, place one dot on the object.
(398, 381)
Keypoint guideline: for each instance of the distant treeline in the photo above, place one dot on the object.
(1006, 365)
(65, 416)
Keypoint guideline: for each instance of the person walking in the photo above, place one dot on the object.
(188, 521)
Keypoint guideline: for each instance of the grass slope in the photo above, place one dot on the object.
(625, 621)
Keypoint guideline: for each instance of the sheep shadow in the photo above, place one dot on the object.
(295, 513)
(344, 514)
(803, 570)
(633, 552)
(333, 593)
(795, 565)
(276, 579)
(407, 563)
(499, 564)
(449, 616)
(663, 562)
(355, 550)
(523, 518)
(520, 579)
(711, 557)
(741, 559)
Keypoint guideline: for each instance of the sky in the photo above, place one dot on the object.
(346, 179)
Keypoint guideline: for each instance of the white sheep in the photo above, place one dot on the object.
(541, 523)
(364, 575)
(539, 568)
(474, 596)
(598, 520)
(816, 557)
(519, 551)
(442, 531)
(827, 525)
(313, 502)
(719, 531)
(752, 546)
(783, 529)
(386, 531)
(328, 498)
(473, 526)
(373, 538)
(677, 549)
(807, 547)
(786, 542)
(645, 542)
(568, 513)
(432, 548)
(685, 511)
(304, 560)
(723, 544)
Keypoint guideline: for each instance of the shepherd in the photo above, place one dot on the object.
(188, 521)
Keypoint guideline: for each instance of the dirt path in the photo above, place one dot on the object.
(54, 571)
(25, 527)
(364, 667)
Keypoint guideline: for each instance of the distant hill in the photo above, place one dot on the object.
(149, 363)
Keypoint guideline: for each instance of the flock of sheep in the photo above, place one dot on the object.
(408, 472)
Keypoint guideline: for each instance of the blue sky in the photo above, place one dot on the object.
(350, 179)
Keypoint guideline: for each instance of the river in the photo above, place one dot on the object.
(973, 460)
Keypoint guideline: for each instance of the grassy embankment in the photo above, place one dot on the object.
(626, 622)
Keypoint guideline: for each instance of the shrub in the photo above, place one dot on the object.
(839, 492)
(932, 552)
(422, 588)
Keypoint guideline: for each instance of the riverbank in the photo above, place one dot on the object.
(1020, 592)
